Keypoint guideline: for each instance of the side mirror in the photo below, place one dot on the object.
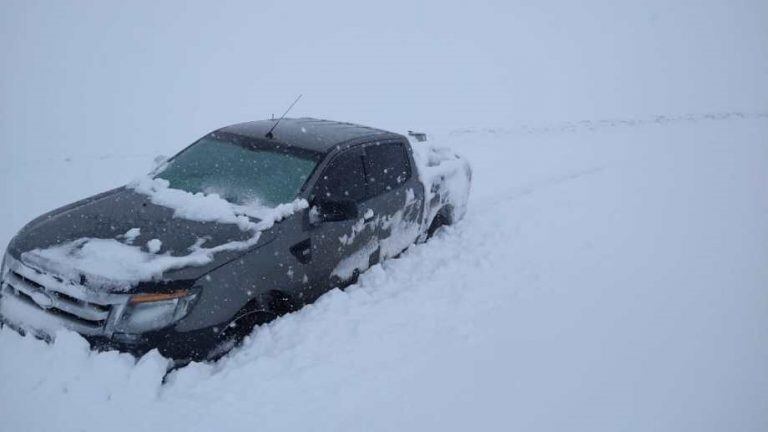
(334, 211)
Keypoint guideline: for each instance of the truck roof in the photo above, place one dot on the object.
(309, 133)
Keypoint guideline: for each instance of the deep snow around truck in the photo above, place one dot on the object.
(240, 227)
(616, 282)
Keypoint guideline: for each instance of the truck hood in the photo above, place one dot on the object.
(126, 217)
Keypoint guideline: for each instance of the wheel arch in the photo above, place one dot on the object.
(273, 301)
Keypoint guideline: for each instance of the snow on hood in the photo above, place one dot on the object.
(118, 264)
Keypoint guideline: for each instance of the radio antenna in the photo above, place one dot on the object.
(269, 134)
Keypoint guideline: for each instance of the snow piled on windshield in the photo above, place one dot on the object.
(202, 207)
(119, 265)
(198, 207)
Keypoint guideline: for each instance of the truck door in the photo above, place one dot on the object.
(341, 246)
(394, 194)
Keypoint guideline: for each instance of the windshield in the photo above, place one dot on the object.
(239, 173)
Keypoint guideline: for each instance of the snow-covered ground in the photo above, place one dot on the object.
(609, 275)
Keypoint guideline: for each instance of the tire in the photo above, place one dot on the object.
(438, 222)
(243, 325)
(238, 329)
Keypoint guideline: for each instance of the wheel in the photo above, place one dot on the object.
(238, 329)
(243, 325)
(437, 222)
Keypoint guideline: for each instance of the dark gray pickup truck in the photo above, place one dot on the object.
(238, 228)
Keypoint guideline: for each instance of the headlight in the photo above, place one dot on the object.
(145, 312)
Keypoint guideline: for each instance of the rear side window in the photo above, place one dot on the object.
(386, 167)
(343, 178)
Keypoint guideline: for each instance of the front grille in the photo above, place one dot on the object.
(60, 295)
(21, 295)
(80, 315)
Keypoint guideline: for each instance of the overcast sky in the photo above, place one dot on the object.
(114, 75)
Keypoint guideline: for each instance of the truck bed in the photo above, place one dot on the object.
(446, 177)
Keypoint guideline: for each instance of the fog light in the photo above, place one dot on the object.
(127, 338)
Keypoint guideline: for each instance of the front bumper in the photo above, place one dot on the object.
(37, 303)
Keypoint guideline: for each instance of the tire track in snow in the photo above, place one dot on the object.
(535, 186)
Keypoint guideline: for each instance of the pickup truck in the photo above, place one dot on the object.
(250, 222)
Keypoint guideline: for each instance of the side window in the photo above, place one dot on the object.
(343, 178)
(386, 167)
